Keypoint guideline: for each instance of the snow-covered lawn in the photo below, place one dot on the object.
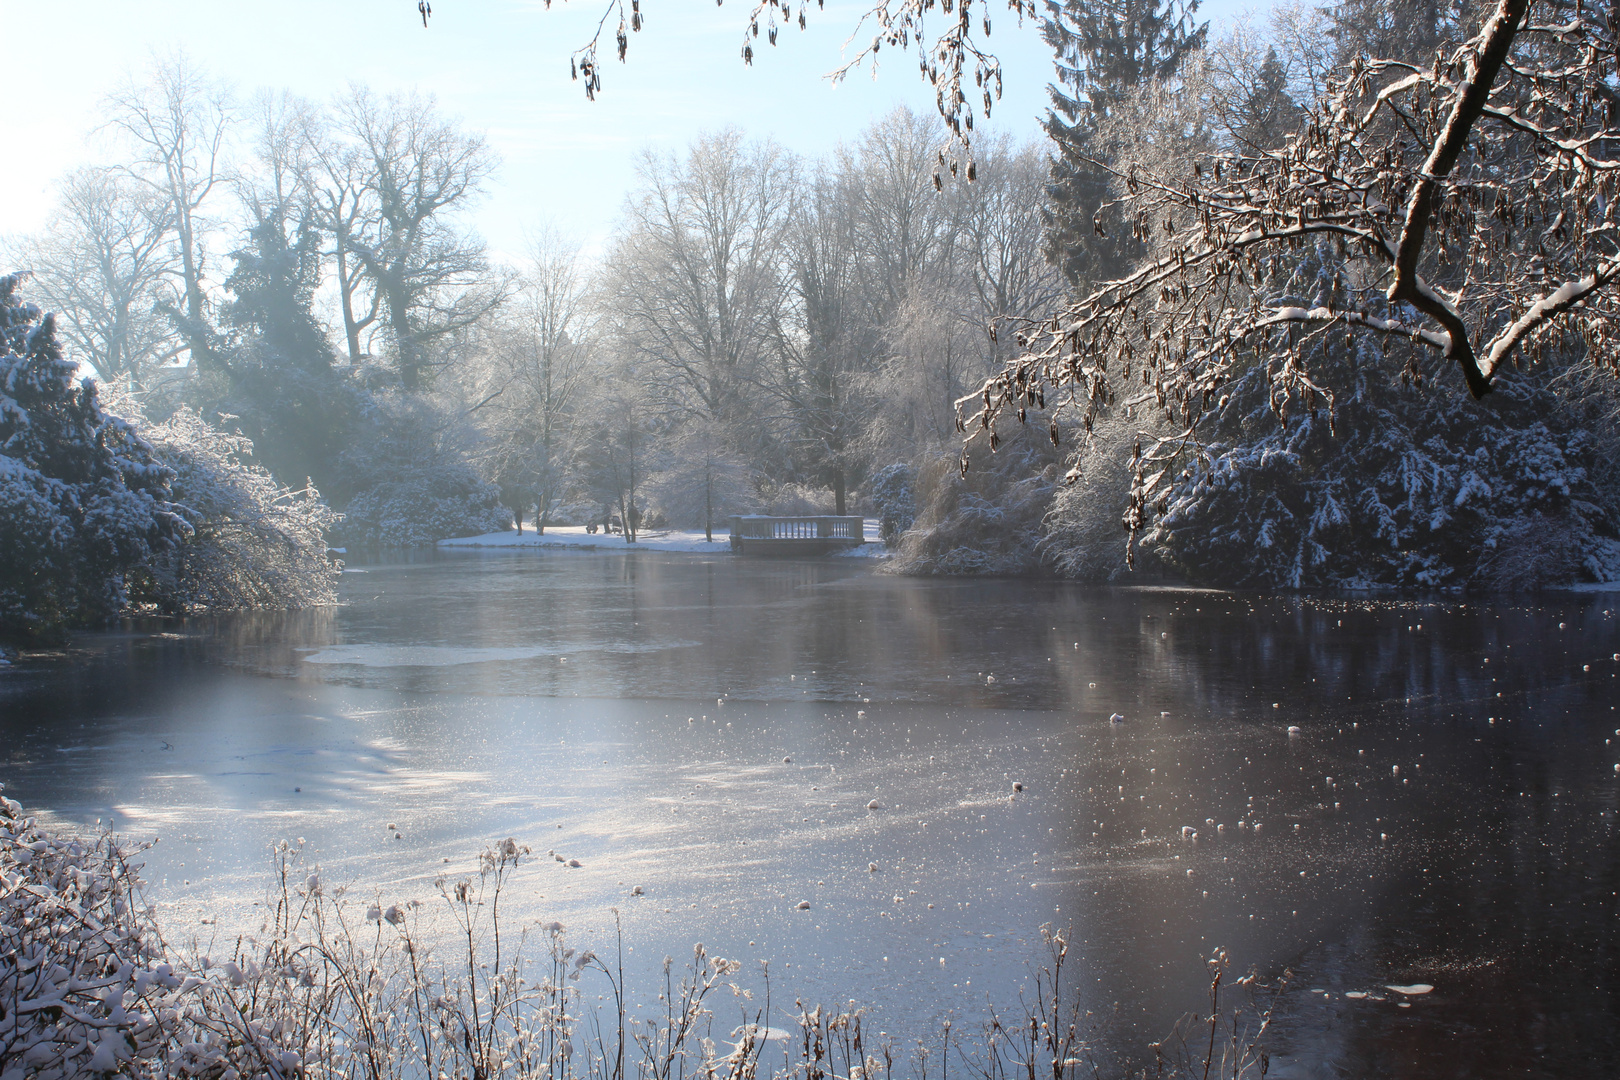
(660, 540)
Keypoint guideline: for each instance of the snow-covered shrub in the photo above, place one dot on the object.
(1408, 488)
(1400, 486)
(254, 542)
(336, 984)
(85, 986)
(83, 501)
(892, 494)
(987, 522)
(1085, 537)
(413, 484)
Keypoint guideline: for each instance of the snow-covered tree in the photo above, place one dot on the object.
(271, 368)
(1104, 51)
(1400, 483)
(84, 502)
(1475, 194)
(409, 466)
(254, 542)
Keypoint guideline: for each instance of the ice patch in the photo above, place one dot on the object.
(386, 656)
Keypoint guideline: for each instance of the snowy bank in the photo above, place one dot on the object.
(660, 540)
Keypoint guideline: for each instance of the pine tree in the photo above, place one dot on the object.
(84, 504)
(1269, 114)
(1103, 52)
(272, 367)
(1395, 482)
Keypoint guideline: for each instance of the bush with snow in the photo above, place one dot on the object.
(1084, 533)
(892, 494)
(338, 985)
(254, 543)
(987, 522)
(84, 502)
(413, 485)
(1397, 484)
(85, 986)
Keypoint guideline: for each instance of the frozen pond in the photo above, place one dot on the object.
(714, 730)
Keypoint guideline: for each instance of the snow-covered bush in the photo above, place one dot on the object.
(1398, 484)
(798, 500)
(254, 542)
(987, 522)
(413, 485)
(892, 494)
(85, 986)
(1085, 537)
(83, 500)
(336, 984)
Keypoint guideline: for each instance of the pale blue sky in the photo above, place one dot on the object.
(501, 66)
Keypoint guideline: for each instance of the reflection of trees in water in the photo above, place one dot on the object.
(1501, 889)
(1446, 653)
(259, 641)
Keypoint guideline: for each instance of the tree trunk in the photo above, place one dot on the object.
(351, 330)
(839, 492)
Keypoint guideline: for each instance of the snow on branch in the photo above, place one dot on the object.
(1473, 202)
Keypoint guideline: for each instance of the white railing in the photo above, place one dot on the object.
(797, 528)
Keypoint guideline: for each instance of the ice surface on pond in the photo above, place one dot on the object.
(697, 743)
(382, 656)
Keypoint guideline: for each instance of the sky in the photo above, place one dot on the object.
(500, 67)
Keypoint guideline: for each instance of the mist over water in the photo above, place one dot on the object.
(715, 730)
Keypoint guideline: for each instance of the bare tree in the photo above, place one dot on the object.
(1475, 193)
(998, 238)
(175, 124)
(430, 280)
(534, 377)
(989, 267)
(904, 229)
(284, 138)
(618, 445)
(339, 195)
(107, 268)
(696, 275)
(829, 338)
(700, 477)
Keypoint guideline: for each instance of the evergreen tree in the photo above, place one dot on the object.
(84, 504)
(1406, 30)
(1269, 114)
(1394, 484)
(1103, 50)
(273, 368)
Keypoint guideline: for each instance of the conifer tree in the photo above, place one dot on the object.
(1103, 51)
(83, 502)
(272, 367)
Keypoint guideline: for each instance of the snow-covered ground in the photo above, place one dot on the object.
(659, 540)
